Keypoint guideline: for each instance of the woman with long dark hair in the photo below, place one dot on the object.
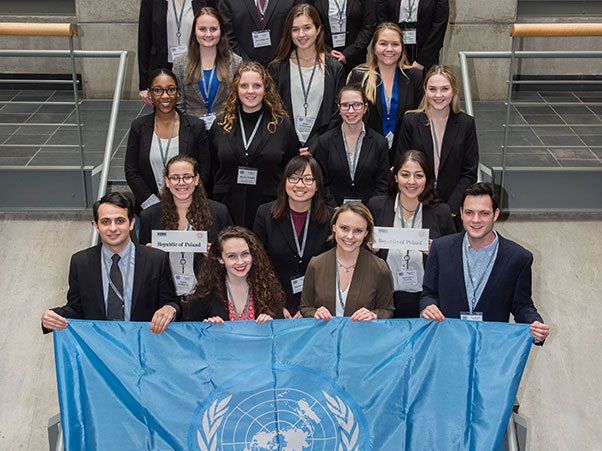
(237, 281)
(294, 227)
(411, 202)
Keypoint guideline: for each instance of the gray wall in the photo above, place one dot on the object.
(474, 25)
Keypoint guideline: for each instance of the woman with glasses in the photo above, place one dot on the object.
(206, 71)
(354, 158)
(251, 143)
(155, 138)
(411, 202)
(295, 226)
(348, 280)
(236, 281)
(392, 86)
(184, 206)
(307, 77)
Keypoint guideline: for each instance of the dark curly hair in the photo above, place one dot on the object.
(268, 295)
(198, 215)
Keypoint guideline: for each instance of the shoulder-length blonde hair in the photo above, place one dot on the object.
(271, 98)
(371, 80)
(445, 71)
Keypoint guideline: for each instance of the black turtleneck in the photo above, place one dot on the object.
(249, 120)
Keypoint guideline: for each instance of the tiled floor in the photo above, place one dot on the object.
(557, 129)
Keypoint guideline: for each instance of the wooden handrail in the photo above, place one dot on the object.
(555, 29)
(37, 29)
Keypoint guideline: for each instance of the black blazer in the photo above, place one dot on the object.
(209, 306)
(436, 218)
(431, 25)
(360, 26)
(269, 153)
(277, 237)
(241, 20)
(334, 79)
(371, 175)
(150, 219)
(153, 285)
(152, 36)
(409, 94)
(508, 289)
(138, 171)
(459, 152)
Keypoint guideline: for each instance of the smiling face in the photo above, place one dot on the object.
(113, 226)
(304, 32)
(250, 91)
(236, 258)
(181, 171)
(388, 47)
(411, 180)
(478, 218)
(351, 115)
(300, 192)
(164, 102)
(350, 231)
(439, 92)
(207, 31)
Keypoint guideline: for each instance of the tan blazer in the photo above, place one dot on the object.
(371, 286)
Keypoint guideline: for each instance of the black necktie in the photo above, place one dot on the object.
(115, 303)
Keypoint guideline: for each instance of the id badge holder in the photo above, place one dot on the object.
(474, 316)
(304, 124)
(390, 137)
(408, 278)
(177, 50)
(297, 284)
(247, 176)
(208, 119)
(350, 200)
(261, 38)
(409, 36)
(185, 283)
(338, 40)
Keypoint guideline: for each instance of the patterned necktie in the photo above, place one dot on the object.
(262, 5)
(115, 305)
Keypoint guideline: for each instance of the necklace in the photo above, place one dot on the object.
(346, 268)
(408, 210)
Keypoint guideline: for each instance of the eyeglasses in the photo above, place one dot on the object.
(355, 105)
(158, 90)
(187, 179)
(307, 180)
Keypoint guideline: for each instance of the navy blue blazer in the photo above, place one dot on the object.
(192, 140)
(153, 285)
(508, 289)
(371, 174)
(459, 152)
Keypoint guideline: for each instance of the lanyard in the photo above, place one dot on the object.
(411, 5)
(206, 89)
(178, 19)
(301, 249)
(339, 291)
(313, 71)
(406, 257)
(437, 148)
(340, 13)
(166, 154)
(356, 153)
(119, 294)
(245, 309)
(183, 258)
(473, 302)
(247, 142)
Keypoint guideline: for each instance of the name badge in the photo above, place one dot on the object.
(180, 240)
(185, 283)
(409, 36)
(208, 119)
(338, 40)
(407, 278)
(401, 238)
(351, 200)
(297, 284)
(247, 176)
(304, 124)
(261, 38)
(474, 316)
(390, 137)
(177, 50)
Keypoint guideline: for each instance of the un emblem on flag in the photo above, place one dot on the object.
(278, 409)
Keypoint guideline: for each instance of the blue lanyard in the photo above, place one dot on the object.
(206, 88)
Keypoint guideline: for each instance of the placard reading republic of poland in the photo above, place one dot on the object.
(180, 240)
(399, 238)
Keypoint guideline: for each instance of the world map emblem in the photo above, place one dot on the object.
(278, 408)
